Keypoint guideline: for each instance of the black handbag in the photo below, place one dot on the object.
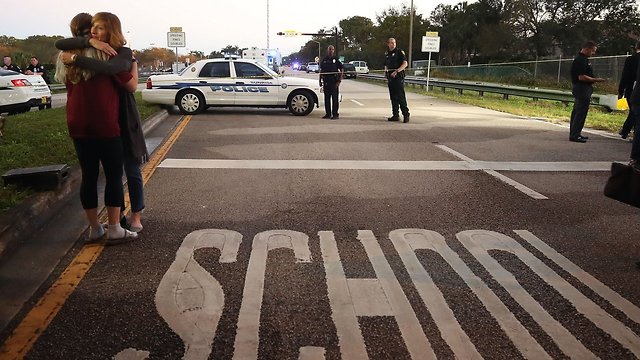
(623, 184)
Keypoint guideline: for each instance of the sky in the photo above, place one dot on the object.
(208, 25)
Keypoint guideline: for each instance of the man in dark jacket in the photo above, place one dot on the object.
(582, 79)
(330, 77)
(625, 88)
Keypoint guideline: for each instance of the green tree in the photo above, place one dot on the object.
(357, 31)
(42, 47)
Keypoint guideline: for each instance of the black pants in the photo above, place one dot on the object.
(635, 147)
(582, 95)
(398, 98)
(630, 122)
(331, 97)
(91, 153)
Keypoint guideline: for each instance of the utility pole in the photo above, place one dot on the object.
(410, 33)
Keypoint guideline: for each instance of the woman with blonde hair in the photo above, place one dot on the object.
(92, 120)
(135, 149)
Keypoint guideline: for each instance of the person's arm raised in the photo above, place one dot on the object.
(118, 63)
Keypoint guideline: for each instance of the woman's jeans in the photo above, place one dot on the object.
(135, 185)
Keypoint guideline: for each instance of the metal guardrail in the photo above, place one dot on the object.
(608, 101)
(57, 87)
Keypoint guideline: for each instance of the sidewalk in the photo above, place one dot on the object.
(37, 235)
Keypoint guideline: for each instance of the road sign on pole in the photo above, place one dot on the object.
(430, 43)
(176, 39)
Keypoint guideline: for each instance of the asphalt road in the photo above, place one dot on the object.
(465, 233)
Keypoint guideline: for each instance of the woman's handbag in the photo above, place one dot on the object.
(624, 184)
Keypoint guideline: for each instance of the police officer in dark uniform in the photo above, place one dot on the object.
(6, 64)
(36, 69)
(330, 77)
(394, 65)
(582, 78)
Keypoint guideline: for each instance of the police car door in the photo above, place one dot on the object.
(254, 86)
(215, 81)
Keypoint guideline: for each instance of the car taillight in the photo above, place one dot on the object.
(21, 82)
(149, 85)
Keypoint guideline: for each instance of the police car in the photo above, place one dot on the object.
(19, 92)
(232, 82)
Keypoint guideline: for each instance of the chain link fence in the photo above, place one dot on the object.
(545, 73)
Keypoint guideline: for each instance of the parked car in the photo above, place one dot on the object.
(349, 71)
(361, 66)
(302, 67)
(232, 82)
(313, 66)
(19, 92)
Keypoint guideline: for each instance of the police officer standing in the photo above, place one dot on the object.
(330, 77)
(583, 79)
(394, 65)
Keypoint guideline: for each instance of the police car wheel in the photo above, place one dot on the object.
(301, 104)
(190, 102)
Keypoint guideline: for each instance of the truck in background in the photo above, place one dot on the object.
(270, 57)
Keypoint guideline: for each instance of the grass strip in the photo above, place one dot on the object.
(40, 138)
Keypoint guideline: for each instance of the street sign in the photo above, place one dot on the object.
(175, 29)
(176, 39)
(432, 33)
(431, 44)
(291, 33)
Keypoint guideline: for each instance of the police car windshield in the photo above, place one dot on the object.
(267, 69)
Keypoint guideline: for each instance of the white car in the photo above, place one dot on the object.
(19, 92)
(313, 66)
(232, 82)
(361, 67)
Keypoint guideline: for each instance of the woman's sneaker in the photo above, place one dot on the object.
(129, 236)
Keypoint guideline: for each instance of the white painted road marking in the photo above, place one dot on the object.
(343, 312)
(467, 165)
(624, 305)
(356, 102)
(479, 243)
(414, 338)
(248, 335)
(417, 239)
(442, 315)
(525, 190)
(191, 300)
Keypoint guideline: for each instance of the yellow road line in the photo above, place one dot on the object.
(38, 319)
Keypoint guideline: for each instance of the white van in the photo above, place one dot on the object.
(361, 67)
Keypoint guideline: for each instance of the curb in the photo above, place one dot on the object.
(17, 224)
